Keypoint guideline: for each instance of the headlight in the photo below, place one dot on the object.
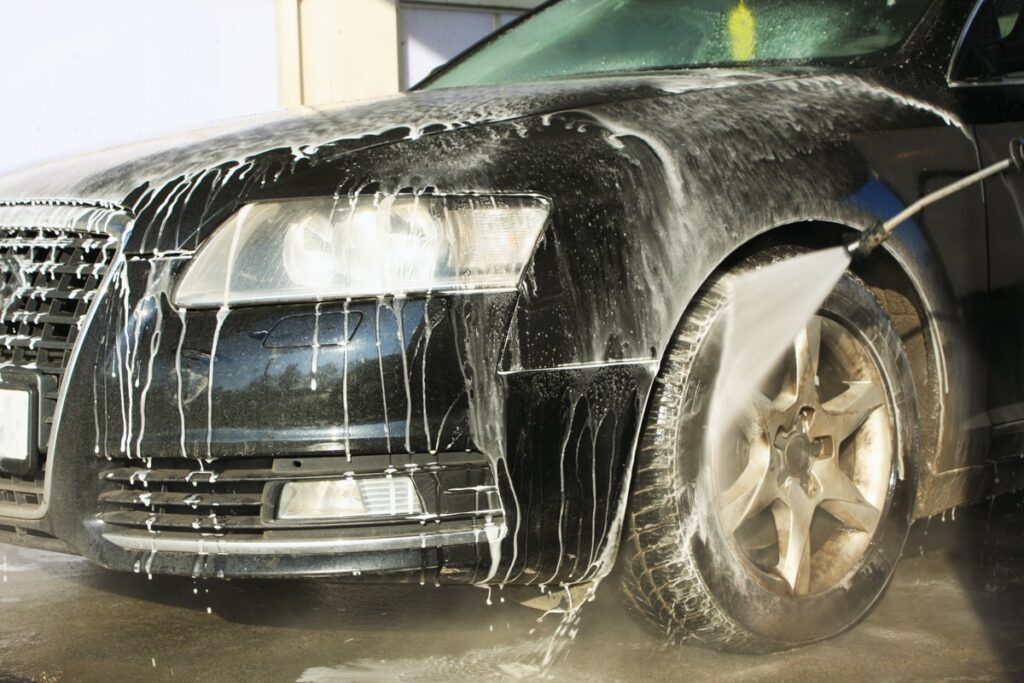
(324, 248)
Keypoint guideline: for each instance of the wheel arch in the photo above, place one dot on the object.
(905, 280)
(908, 281)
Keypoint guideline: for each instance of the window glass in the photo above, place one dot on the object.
(1007, 22)
(994, 47)
(579, 37)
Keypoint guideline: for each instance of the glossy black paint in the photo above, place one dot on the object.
(655, 181)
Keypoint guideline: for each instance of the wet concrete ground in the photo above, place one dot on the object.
(954, 612)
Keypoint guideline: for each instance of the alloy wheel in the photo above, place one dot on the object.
(803, 488)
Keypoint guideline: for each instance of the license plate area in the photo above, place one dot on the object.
(19, 421)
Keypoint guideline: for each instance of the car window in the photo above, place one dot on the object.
(994, 45)
(583, 37)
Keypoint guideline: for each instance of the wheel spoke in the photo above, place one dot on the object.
(751, 493)
(793, 523)
(808, 351)
(845, 413)
(841, 498)
(757, 418)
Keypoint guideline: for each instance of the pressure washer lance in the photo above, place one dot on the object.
(859, 246)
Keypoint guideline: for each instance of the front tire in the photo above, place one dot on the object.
(789, 533)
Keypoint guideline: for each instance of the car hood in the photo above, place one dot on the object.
(108, 177)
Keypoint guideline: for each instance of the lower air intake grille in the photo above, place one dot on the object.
(237, 496)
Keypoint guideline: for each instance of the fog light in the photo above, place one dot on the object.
(342, 498)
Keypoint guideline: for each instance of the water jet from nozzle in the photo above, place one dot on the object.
(767, 308)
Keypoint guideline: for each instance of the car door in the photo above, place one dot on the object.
(987, 76)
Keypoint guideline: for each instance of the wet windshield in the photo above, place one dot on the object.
(585, 37)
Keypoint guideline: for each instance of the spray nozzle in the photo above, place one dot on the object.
(860, 245)
(1017, 154)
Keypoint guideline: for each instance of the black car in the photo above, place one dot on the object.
(468, 333)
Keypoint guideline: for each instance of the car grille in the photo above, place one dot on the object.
(48, 278)
(230, 496)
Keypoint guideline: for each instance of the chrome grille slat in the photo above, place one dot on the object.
(19, 243)
(38, 317)
(57, 268)
(11, 341)
(185, 499)
(54, 293)
(191, 474)
(198, 522)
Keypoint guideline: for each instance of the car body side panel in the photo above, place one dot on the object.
(997, 110)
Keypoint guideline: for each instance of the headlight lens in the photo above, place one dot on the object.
(324, 248)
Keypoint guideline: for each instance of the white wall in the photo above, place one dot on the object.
(344, 50)
(81, 74)
(430, 36)
(348, 49)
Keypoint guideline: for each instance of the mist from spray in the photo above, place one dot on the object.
(767, 309)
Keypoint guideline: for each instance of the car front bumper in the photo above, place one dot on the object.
(520, 471)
